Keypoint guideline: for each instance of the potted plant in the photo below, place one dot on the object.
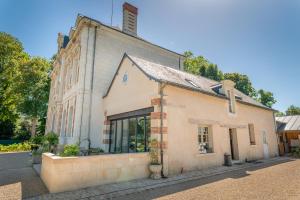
(37, 156)
(52, 141)
(155, 167)
(37, 142)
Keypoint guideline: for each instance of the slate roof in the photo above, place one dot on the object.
(288, 123)
(186, 80)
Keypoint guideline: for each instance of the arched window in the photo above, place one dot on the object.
(70, 121)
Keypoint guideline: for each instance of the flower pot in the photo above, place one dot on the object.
(155, 171)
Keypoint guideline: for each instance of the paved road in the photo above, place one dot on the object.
(17, 178)
(270, 182)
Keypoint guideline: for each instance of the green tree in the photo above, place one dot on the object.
(293, 110)
(12, 57)
(200, 66)
(266, 98)
(213, 72)
(195, 65)
(242, 83)
(279, 114)
(33, 86)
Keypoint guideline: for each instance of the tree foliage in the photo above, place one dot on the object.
(198, 65)
(279, 114)
(33, 86)
(266, 98)
(293, 110)
(12, 58)
(242, 83)
(24, 82)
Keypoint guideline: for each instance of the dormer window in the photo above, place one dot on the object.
(228, 90)
(231, 101)
(192, 83)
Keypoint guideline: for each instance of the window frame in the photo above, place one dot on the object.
(130, 116)
(251, 131)
(209, 139)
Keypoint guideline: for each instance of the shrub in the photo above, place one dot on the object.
(70, 150)
(296, 152)
(51, 141)
(16, 147)
(96, 151)
(37, 139)
(154, 152)
(52, 138)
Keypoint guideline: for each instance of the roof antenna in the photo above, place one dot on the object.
(112, 12)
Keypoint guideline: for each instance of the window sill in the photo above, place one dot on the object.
(133, 153)
(206, 154)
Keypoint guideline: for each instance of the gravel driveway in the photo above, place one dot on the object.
(18, 180)
(279, 181)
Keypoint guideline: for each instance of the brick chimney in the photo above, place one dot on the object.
(130, 19)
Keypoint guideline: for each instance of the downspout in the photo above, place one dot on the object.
(162, 86)
(92, 87)
(84, 76)
(277, 136)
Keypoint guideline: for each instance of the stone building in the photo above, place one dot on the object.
(114, 90)
(85, 64)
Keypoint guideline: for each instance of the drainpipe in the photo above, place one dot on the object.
(84, 76)
(162, 86)
(92, 87)
(277, 136)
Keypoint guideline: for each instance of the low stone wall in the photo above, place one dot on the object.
(70, 173)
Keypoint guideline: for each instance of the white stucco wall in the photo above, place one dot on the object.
(110, 48)
(187, 110)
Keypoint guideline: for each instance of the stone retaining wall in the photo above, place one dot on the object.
(71, 173)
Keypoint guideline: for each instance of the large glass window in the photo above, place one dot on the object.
(125, 134)
(130, 135)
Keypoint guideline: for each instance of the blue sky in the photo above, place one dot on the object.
(254, 37)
